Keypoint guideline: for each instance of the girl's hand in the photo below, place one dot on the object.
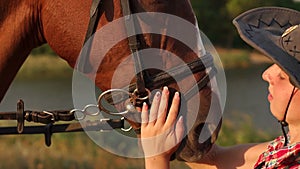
(160, 137)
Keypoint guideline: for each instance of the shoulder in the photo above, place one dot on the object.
(239, 156)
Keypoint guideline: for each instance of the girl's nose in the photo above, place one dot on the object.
(266, 76)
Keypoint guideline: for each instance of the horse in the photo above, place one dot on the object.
(27, 24)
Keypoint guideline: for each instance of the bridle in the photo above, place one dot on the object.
(138, 92)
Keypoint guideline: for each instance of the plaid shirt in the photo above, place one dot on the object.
(279, 156)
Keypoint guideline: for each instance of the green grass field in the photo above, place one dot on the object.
(46, 66)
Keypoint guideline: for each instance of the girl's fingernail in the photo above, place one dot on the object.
(176, 94)
(165, 88)
(144, 104)
(180, 119)
(157, 94)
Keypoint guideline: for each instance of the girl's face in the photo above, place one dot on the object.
(280, 90)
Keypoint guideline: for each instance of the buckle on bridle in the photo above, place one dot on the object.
(137, 98)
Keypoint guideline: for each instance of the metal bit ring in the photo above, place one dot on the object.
(102, 108)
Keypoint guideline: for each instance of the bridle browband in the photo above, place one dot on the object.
(138, 92)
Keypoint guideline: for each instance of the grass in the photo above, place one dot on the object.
(68, 151)
(72, 150)
(46, 66)
(234, 58)
(76, 150)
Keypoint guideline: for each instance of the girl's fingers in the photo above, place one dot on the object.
(154, 108)
(173, 110)
(145, 116)
(179, 130)
(163, 107)
(159, 107)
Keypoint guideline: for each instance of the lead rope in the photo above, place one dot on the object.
(283, 122)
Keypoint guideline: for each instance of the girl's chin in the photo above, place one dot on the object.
(275, 114)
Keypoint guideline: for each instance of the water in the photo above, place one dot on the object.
(39, 94)
(246, 95)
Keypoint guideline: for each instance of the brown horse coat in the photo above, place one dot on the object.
(26, 24)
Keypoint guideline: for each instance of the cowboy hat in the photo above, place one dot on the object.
(274, 31)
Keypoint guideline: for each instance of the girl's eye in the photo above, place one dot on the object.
(282, 75)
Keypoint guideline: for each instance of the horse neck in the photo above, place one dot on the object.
(18, 37)
(19, 20)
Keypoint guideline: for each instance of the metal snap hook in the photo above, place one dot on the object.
(127, 129)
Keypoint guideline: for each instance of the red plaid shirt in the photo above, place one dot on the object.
(279, 156)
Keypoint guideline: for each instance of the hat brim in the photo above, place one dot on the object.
(262, 29)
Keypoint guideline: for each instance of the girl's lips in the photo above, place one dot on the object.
(270, 97)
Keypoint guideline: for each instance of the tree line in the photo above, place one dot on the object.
(215, 17)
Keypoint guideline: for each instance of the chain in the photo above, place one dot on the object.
(90, 110)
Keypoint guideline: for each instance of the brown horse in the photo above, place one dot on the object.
(26, 24)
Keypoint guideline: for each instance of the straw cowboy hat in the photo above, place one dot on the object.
(274, 31)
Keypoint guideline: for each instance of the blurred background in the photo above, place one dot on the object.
(45, 83)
